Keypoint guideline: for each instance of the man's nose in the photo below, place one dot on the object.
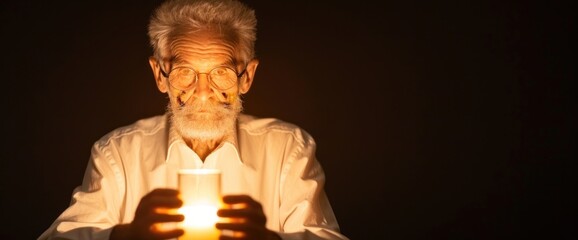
(203, 88)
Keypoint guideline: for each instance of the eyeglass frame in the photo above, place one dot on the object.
(166, 75)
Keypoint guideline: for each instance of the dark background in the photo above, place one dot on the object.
(434, 119)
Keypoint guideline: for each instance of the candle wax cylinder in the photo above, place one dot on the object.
(200, 191)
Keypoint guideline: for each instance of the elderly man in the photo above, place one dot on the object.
(204, 61)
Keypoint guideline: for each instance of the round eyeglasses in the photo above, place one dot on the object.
(184, 78)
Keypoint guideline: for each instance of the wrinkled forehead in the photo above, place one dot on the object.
(202, 44)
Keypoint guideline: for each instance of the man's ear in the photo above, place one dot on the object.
(159, 79)
(247, 80)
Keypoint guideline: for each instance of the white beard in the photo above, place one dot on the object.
(215, 121)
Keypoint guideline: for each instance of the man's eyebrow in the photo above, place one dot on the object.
(176, 60)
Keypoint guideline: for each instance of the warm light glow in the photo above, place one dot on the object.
(202, 215)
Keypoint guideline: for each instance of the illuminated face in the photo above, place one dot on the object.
(203, 111)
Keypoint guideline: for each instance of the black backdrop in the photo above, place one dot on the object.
(435, 120)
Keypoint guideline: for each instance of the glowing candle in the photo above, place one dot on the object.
(201, 194)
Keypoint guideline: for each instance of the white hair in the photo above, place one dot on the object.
(234, 20)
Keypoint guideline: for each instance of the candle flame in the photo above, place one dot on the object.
(199, 215)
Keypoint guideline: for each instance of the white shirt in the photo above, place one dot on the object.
(270, 160)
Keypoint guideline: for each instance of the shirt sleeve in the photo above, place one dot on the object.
(94, 207)
(305, 209)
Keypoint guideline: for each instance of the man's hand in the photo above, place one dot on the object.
(246, 219)
(152, 209)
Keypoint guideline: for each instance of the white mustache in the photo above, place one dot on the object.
(210, 106)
